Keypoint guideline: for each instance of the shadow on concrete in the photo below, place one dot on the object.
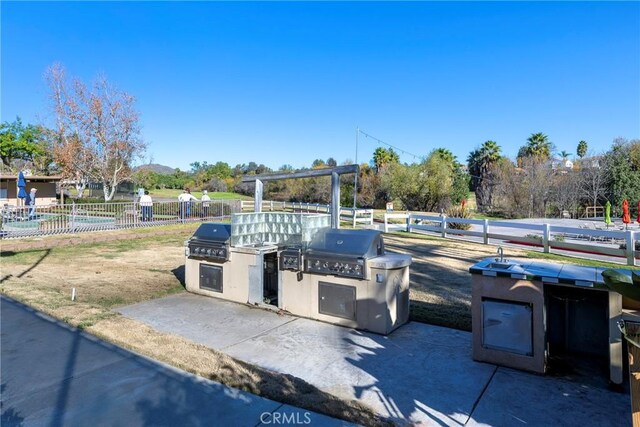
(35, 264)
(10, 417)
(57, 418)
(91, 381)
(438, 390)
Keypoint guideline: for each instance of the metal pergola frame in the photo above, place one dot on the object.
(334, 172)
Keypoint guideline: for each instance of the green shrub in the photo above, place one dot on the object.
(534, 236)
(458, 212)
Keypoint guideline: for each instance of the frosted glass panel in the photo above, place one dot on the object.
(281, 228)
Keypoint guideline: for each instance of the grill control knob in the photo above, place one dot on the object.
(209, 252)
(325, 265)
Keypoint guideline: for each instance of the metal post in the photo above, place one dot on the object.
(258, 196)
(631, 259)
(335, 200)
(485, 232)
(546, 237)
(443, 225)
(355, 182)
(73, 216)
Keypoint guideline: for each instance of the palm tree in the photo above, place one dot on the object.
(383, 156)
(582, 149)
(538, 145)
(564, 154)
(447, 156)
(480, 163)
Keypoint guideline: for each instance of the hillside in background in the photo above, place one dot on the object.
(161, 169)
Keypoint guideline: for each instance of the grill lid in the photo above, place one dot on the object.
(213, 232)
(348, 243)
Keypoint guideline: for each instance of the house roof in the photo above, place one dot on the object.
(31, 177)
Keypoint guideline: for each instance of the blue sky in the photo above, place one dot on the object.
(286, 83)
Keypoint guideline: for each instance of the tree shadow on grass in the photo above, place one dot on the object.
(35, 264)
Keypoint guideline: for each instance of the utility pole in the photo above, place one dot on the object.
(355, 184)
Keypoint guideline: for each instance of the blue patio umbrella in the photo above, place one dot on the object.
(22, 185)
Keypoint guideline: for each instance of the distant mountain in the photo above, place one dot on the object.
(161, 169)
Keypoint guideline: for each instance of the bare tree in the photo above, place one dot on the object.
(510, 193)
(539, 180)
(566, 191)
(69, 138)
(593, 180)
(97, 133)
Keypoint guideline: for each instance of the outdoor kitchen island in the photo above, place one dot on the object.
(527, 314)
(297, 263)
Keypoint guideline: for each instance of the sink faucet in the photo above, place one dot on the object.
(501, 253)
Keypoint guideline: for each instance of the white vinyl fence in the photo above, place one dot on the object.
(608, 242)
(59, 219)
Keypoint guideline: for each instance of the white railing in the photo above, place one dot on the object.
(358, 216)
(390, 226)
(608, 242)
(59, 219)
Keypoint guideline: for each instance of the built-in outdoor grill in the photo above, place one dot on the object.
(210, 242)
(345, 277)
(343, 253)
(297, 263)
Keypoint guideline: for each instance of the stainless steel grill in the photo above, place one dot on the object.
(343, 253)
(210, 242)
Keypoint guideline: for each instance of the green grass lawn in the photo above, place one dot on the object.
(170, 193)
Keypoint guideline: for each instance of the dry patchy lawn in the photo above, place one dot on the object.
(107, 275)
(111, 274)
(440, 280)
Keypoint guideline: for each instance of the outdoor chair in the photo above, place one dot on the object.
(584, 236)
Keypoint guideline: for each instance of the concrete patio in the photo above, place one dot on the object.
(56, 375)
(419, 374)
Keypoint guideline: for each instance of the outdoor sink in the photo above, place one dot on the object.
(500, 265)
